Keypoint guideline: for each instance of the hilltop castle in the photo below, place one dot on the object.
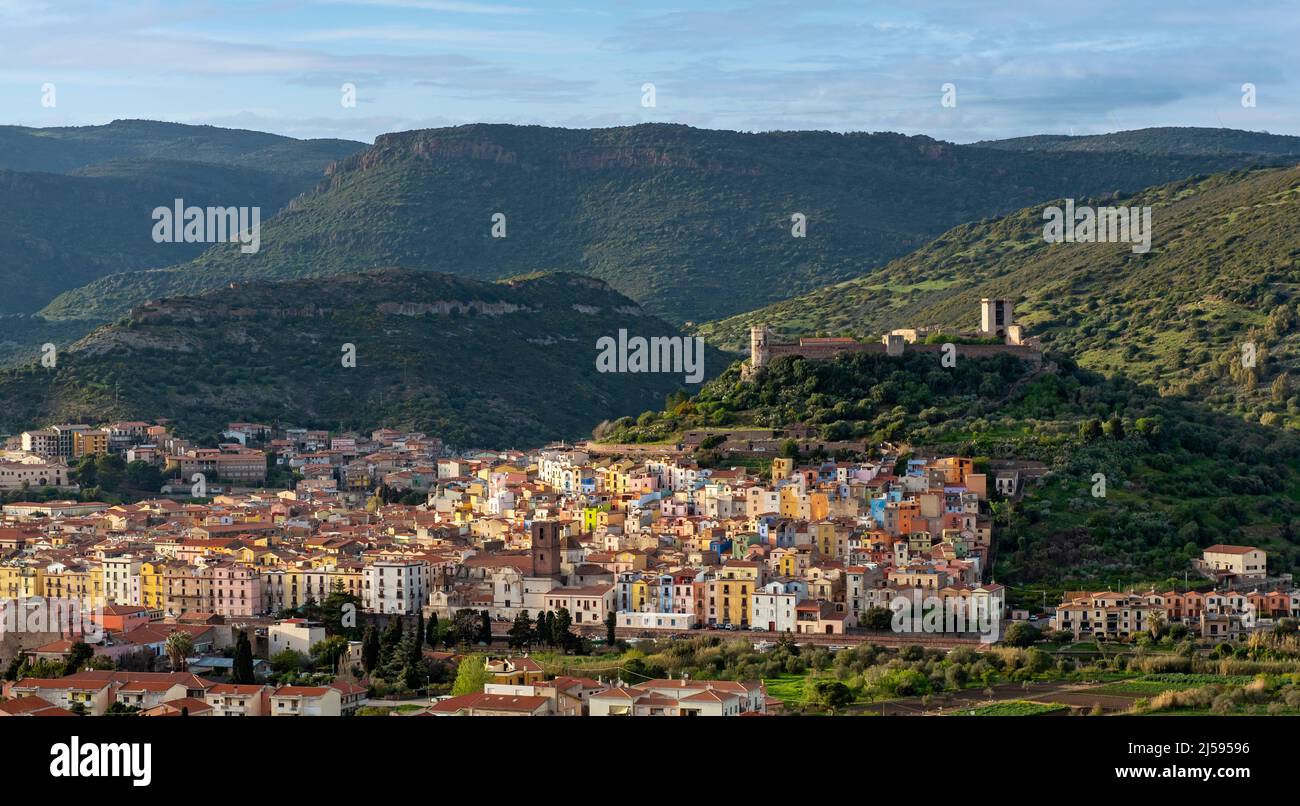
(997, 321)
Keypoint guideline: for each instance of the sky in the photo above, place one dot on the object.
(1015, 68)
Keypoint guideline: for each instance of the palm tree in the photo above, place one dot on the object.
(179, 646)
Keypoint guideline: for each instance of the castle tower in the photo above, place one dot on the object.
(547, 549)
(760, 337)
(995, 317)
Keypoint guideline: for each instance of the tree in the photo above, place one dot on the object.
(471, 675)
(485, 627)
(179, 646)
(419, 632)
(77, 656)
(561, 636)
(392, 636)
(339, 613)
(431, 631)
(370, 648)
(243, 672)
(611, 623)
(879, 618)
(413, 645)
(464, 627)
(1022, 634)
(288, 661)
(832, 694)
(326, 654)
(1114, 427)
(521, 632)
(1091, 430)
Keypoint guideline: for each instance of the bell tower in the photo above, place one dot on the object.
(760, 337)
(546, 548)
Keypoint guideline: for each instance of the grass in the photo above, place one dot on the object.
(384, 710)
(788, 688)
(1014, 708)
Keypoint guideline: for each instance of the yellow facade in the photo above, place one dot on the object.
(21, 581)
(152, 586)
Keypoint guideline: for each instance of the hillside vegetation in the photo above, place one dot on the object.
(693, 224)
(477, 364)
(77, 201)
(1223, 270)
(1178, 476)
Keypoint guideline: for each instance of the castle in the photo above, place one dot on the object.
(997, 321)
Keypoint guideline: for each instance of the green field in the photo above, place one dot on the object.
(788, 688)
(1014, 708)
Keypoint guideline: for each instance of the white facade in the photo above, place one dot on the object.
(296, 634)
(122, 580)
(395, 586)
(772, 608)
(656, 621)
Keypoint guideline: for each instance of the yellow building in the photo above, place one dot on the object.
(729, 591)
(89, 443)
(85, 583)
(591, 517)
(640, 593)
(152, 586)
(21, 581)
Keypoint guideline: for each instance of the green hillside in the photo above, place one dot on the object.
(478, 364)
(1185, 140)
(693, 224)
(1223, 269)
(69, 149)
(67, 230)
(1178, 475)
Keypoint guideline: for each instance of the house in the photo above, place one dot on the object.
(484, 704)
(681, 697)
(32, 706)
(295, 634)
(144, 694)
(185, 706)
(306, 701)
(230, 699)
(72, 693)
(1234, 563)
(515, 671)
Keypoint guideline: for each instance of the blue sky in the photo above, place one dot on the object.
(1018, 68)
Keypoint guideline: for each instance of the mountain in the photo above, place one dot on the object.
(693, 224)
(67, 230)
(70, 149)
(1178, 476)
(478, 364)
(1166, 140)
(77, 202)
(1223, 269)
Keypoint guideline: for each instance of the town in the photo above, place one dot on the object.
(223, 593)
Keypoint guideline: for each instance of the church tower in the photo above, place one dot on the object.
(996, 315)
(547, 548)
(760, 337)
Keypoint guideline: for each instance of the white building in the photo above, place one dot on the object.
(297, 634)
(395, 586)
(122, 579)
(772, 607)
(656, 621)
